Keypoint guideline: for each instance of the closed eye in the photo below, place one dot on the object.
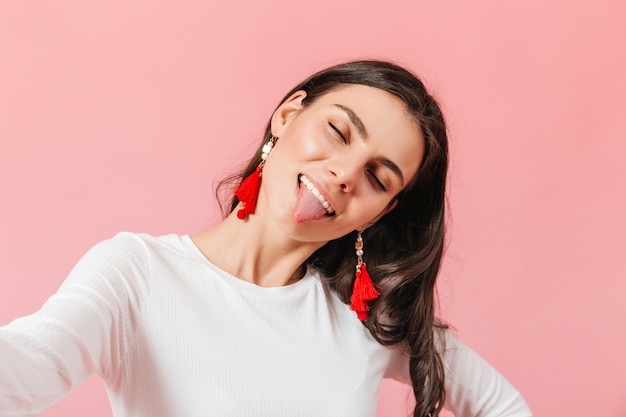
(377, 182)
(338, 132)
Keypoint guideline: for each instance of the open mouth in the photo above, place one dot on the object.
(310, 204)
(313, 189)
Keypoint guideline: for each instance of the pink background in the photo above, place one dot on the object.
(120, 116)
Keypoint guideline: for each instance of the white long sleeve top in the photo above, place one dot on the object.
(171, 334)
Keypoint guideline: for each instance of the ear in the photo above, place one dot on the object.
(386, 210)
(286, 111)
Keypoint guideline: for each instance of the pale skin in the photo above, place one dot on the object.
(360, 147)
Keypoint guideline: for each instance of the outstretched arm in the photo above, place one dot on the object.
(85, 328)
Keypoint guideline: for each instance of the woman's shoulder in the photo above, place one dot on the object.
(142, 244)
(145, 240)
(132, 254)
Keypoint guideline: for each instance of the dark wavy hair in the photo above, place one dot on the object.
(405, 246)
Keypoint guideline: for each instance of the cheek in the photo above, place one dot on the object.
(308, 141)
(367, 208)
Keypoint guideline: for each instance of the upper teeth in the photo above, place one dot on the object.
(316, 193)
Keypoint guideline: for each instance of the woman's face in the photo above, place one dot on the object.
(352, 149)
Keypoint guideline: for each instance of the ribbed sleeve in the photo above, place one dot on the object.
(85, 328)
(476, 389)
(473, 387)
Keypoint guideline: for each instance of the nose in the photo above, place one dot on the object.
(344, 173)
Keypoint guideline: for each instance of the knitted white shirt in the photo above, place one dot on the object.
(173, 335)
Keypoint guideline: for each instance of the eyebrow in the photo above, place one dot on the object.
(393, 167)
(358, 123)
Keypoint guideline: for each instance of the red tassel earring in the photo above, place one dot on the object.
(364, 289)
(248, 190)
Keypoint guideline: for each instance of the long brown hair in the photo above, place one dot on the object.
(404, 247)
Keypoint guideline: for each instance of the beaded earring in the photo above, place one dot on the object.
(364, 289)
(248, 190)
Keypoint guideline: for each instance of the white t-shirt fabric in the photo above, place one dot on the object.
(171, 334)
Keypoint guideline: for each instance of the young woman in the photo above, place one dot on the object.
(318, 283)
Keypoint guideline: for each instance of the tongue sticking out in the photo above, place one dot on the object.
(308, 207)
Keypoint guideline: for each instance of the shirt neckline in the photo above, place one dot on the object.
(309, 278)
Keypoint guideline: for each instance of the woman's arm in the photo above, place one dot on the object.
(85, 328)
(473, 387)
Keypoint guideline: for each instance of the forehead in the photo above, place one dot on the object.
(391, 130)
